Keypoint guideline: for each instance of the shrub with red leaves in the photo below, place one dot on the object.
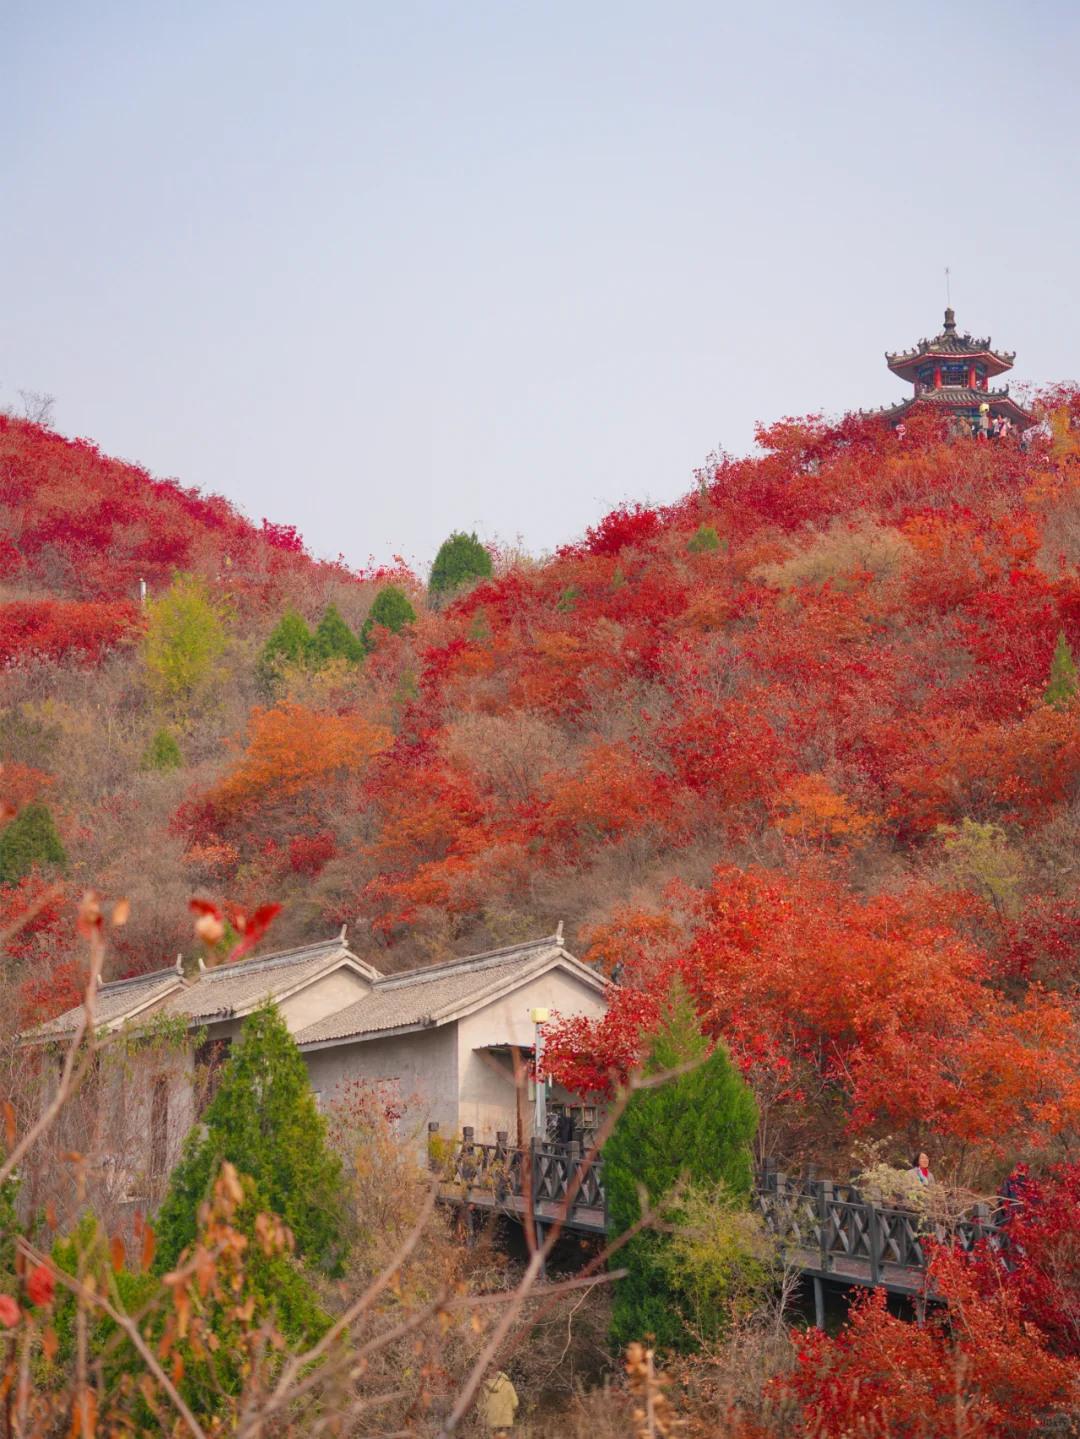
(971, 1370)
(41, 1286)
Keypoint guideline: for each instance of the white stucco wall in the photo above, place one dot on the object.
(486, 1095)
(328, 995)
(423, 1065)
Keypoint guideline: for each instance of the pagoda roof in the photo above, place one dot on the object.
(960, 397)
(949, 345)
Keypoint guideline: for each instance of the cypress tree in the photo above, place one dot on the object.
(703, 541)
(29, 839)
(699, 1124)
(1063, 687)
(264, 1121)
(163, 752)
(290, 643)
(392, 610)
(334, 639)
(461, 558)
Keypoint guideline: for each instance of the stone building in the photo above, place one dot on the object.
(442, 1038)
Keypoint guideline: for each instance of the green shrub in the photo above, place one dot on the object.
(719, 1264)
(461, 558)
(697, 1126)
(392, 610)
(163, 752)
(264, 1121)
(333, 639)
(703, 541)
(30, 839)
(1062, 689)
(184, 640)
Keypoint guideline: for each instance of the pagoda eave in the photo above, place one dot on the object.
(907, 367)
(966, 402)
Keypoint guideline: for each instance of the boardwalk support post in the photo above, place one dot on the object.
(824, 1201)
(873, 1233)
(819, 1302)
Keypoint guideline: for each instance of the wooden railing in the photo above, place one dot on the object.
(838, 1231)
(506, 1176)
(833, 1230)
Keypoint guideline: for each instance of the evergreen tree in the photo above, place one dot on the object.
(392, 610)
(263, 1120)
(703, 541)
(163, 752)
(335, 640)
(1063, 687)
(462, 557)
(290, 642)
(29, 839)
(698, 1124)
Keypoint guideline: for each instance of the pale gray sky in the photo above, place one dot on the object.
(382, 271)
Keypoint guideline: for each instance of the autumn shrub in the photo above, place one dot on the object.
(974, 1368)
(696, 1127)
(263, 1120)
(460, 558)
(30, 840)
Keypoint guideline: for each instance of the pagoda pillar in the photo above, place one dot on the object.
(971, 376)
(937, 377)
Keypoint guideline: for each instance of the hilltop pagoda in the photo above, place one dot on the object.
(954, 372)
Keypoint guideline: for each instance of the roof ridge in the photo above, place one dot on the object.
(271, 961)
(469, 961)
(110, 986)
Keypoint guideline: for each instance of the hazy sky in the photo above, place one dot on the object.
(383, 271)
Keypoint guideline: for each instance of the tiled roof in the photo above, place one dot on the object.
(217, 994)
(114, 1001)
(950, 343)
(423, 997)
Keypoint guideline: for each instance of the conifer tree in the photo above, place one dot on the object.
(334, 639)
(30, 839)
(290, 642)
(392, 610)
(1063, 687)
(461, 558)
(703, 541)
(163, 752)
(264, 1121)
(699, 1124)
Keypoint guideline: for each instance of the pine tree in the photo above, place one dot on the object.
(335, 640)
(290, 642)
(703, 541)
(700, 1125)
(392, 610)
(30, 839)
(264, 1121)
(1063, 687)
(461, 558)
(163, 752)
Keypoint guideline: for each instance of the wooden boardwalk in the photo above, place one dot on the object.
(837, 1233)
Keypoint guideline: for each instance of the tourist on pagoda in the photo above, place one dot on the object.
(984, 420)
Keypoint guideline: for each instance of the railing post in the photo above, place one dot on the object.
(467, 1137)
(534, 1170)
(433, 1144)
(573, 1165)
(980, 1215)
(824, 1201)
(501, 1138)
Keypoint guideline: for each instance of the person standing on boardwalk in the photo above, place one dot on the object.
(920, 1170)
